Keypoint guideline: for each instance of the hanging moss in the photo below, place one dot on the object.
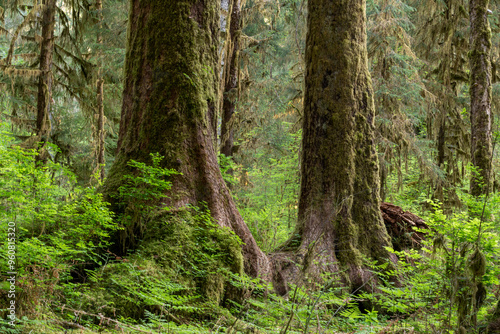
(477, 263)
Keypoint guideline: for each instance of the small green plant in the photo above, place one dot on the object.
(446, 284)
(146, 183)
(227, 167)
(140, 195)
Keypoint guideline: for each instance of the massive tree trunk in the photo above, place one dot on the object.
(230, 80)
(170, 89)
(45, 79)
(480, 95)
(339, 218)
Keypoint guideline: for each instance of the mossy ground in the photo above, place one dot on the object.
(180, 271)
(185, 252)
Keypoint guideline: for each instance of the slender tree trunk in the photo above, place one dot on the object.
(481, 147)
(170, 87)
(441, 140)
(100, 133)
(480, 95)
(231, 80)
(45, 79)
(339, 219)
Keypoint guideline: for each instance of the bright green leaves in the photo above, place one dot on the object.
(56, 219)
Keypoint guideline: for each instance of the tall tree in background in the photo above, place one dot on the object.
(48, 60)
(470, 300)
(169, 91)
(441, 41)
(400, 97)
(99, 132)
(45, 78)
(480, 95)
(230, 78)
(339, 216)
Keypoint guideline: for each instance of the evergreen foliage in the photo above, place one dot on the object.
(151, 263)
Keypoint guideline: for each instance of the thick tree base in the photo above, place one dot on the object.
(295, 263)
(293, 268)
(184, 256)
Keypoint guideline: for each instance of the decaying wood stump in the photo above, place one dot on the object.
(401, 226)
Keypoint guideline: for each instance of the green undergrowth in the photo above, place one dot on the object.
(186, 274)
(180, 270)
(52, 225)
(184, 245)
(267, 195)
(66, 275)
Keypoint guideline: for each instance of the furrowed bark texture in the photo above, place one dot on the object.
(339, 216)
(480, 95)
(170, 87)
(45, 79)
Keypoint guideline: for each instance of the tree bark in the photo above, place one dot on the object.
(170, 87)
(339, 219)
(100, 133)
(480, 95)
(481, 147)
(231, 80)
(441, 140)
(45, 80)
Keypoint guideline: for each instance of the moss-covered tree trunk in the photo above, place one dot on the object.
(471, 298)
(169, 90)
(45, 80)
(339, 219)
(99, 132)
(480, 95)
(230, 80)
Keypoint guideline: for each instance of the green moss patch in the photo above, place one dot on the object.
(182, 264)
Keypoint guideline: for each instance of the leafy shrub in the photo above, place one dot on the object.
(58, 224)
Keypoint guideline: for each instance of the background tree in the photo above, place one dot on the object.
(43, 126)
(73, 75)
(230, 78)
(399, 92)
(480, 96)
(267, 125)
(99, 115)
(441, 42)
(481, 146)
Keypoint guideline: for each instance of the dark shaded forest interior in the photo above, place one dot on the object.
(249, 166)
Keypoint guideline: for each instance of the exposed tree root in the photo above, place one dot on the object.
(317, 261)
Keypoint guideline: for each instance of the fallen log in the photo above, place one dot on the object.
(402, 227)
